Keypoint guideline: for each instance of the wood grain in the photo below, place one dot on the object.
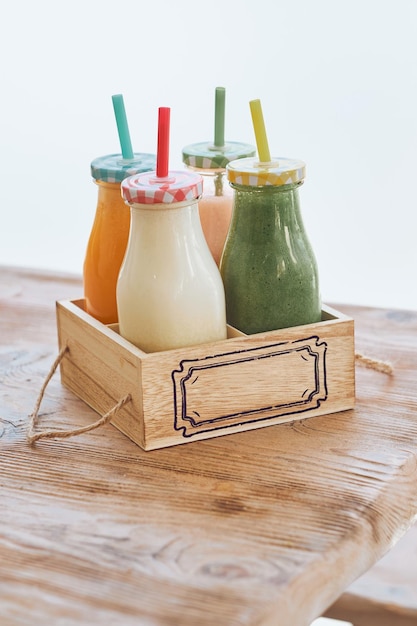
(266, 527)
(387, 594)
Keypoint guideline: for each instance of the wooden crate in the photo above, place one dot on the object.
(213, 389)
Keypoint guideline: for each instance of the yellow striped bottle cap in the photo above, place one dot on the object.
(280, 171)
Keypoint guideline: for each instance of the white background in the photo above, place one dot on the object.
(337, 80)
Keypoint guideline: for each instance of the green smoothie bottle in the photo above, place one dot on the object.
(268, 267)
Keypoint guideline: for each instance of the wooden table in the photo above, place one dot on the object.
(266, 527)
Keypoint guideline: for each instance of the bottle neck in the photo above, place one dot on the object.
(270, 207)
(171, 222)
(110, 202)
(168, 207)
(171, 231)
(215, 182)
(107, 188)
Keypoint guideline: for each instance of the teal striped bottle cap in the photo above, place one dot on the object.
(209, 157)
(113, 168)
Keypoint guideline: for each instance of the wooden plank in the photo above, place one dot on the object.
(101, 368)
(387, 594)
(261, 528)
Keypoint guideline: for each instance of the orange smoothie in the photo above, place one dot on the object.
(105, 252)
(110, 232)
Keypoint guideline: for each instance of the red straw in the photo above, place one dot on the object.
(163, 142)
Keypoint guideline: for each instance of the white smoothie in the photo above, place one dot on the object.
(169, 293)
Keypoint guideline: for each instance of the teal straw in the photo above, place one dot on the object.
(122, 126)
(219, 108)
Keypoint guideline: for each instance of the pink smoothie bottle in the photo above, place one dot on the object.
(210, 160)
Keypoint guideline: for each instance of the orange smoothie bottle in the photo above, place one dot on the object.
(210, 161)
(110, 231)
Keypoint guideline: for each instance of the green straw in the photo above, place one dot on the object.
(260, 133)
(219, 107)
(122, 126)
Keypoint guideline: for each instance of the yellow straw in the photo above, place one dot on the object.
(260, 133)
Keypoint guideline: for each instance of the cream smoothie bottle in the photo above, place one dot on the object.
(108, 238)
(169, 292)
(210, 160)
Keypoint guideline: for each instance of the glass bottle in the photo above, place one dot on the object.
(268, 266)
(169, 292)
(109, 234)
(215, 204)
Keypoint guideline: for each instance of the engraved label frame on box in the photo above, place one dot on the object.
(267, 366)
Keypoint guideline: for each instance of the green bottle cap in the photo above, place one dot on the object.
(207, 156)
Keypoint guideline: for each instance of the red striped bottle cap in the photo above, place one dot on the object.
(148, 188)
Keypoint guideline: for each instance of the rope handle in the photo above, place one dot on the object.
(33, 436)
(374, 364)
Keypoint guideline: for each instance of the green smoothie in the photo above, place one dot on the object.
(268, 266)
